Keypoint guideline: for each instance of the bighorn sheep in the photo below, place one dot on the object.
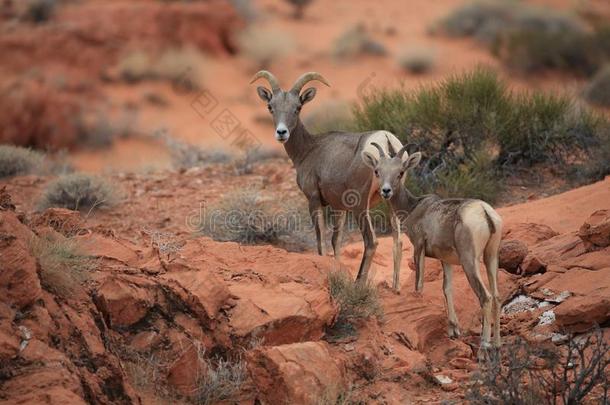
(453, 230)
(329, 169)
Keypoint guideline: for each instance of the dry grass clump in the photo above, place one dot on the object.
(186, 156)
(222, 381)
(264, 46)
(598, 90)
(38, 11)
(78, 191)
(15, 161)
(357, 301)
(417, 60)
(244, 216)
(356, 41)
(63, 266)
(178, 66)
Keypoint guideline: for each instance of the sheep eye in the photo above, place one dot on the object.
(400, 175)
(376, 173)
(298, 110)
(270, 108)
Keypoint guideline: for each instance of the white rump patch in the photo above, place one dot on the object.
(381, 138)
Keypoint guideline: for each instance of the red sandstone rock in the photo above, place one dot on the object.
(300, 373)
(511, 255)
(580, 314)
(595, 232)
(528, 233)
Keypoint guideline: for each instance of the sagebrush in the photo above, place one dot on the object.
(79, 191)
(15, 160)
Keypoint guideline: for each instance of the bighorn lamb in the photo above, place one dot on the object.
(329, 169)
(453, 230)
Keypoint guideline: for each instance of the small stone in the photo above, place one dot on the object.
(442, 379)
(547, 318)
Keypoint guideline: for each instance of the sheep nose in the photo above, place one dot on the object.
(282, 131)
(386, 192)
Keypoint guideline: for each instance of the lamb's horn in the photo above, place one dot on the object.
(390, 147)
(379, 148)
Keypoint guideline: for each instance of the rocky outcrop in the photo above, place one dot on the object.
(511, 255)
(303, 373)
(595, 232)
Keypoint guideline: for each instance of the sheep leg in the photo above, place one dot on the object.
(419, 257)
(317, 217)
(370, 245)
(471, 268)
(396, 250)
(338, 226)
(454, 329)
(491, 264)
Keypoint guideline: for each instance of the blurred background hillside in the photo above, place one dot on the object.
(138, 85)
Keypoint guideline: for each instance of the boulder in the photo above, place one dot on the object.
(203, 292)
(511, 255)
(579, 314)
(532, 265)
(281, 313)
(298, 373)
(528, 233)
(595, 231)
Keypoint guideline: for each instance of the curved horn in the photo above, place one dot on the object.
(390, 147)
(275, 85)
(381, 152)
(304, 79)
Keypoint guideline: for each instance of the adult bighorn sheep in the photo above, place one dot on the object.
(329, 169)
(452, 230)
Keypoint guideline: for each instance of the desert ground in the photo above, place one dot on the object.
(123, 294)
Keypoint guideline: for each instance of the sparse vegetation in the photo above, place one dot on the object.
(63, 266)
(264, 46)
(78, 191)
(473, 130)
(598, 90)
(417, 60)
(39, 11)
(246, 217)
(186, 156)
(221, 382)
(299, 7)
(356, 41)
(357, 301)
(15, 161)
(525, 374)
(179, 66)
(330, 116)
(529, 38)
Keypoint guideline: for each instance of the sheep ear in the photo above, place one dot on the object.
(412, 161)
(264, 93)
(307, 95)
(369, 159)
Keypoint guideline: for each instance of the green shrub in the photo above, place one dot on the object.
(78, 191)
(472, 129)
(598, 90)
(15, 161)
